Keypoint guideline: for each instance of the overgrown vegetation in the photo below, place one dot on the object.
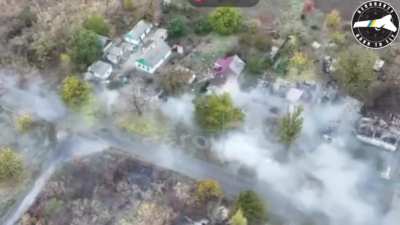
(97, 24)
(355, 71)
(85, 48)
(216, 113)
(253, 208)
(290, 126)
(225, 20)
(11, 165)
(75, 92)
(208, 190)
(174, 81)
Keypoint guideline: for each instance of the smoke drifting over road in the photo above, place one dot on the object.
(318, 177)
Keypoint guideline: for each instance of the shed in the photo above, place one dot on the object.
(101, 70)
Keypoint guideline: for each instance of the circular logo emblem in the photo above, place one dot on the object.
(375, 24)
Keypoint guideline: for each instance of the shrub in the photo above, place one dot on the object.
(208, 189)
(75, 92)
(24, 123)
(11, 165)
(97, 24)
(253, 208)
(176, 28)
(86, 48)
(225, 20)
(217, 112)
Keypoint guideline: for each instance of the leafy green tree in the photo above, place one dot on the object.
(238, 218)
(11, 164)
(225, 20)
(290, 126)
(176, 28)
(85, 48)
(75, 92)
(333, 20)
(97, 24)
(355, 71)
(253, 208)
(217, 112)
(208, 189)
(202, 26)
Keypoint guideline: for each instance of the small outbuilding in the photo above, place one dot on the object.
(101, 70)
(138, 33)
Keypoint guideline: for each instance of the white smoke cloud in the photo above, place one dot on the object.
(317, 176)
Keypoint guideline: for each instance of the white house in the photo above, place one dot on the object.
(153, 56)
(138, 33)
(101, 70)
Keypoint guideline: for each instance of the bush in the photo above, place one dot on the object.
(355, 70)
(225, 20)
(75, 93)
(11, 165)
(86, 48)
(176, 28)
(208, 190)
(216, 113)
(24, 123)
(97, 24)
(290, 126)
(253, 208)
(202, 26)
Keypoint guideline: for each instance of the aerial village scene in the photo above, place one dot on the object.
(167, 112)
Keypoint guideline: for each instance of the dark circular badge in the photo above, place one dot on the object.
(375, 24)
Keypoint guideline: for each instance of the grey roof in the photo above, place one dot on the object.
(101, 68)
(139, 29)
(155, 53)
